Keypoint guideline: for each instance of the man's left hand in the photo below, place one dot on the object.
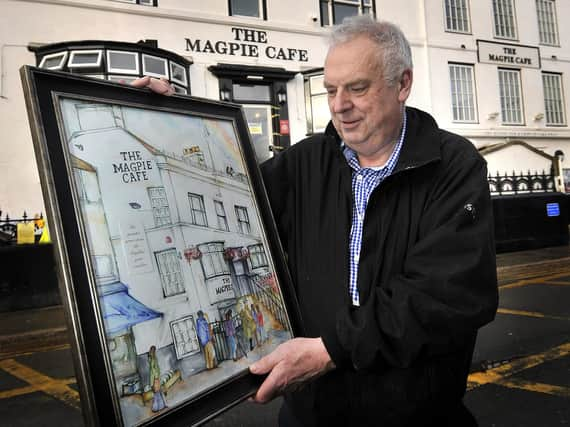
(290, 365)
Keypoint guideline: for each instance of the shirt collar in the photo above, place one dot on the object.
(352, 157)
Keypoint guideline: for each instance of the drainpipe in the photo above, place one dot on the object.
(426, 55)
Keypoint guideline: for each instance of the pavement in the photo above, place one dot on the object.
(520, 372)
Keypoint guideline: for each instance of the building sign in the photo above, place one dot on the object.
(132, 167)
(135, 246)
(508, 54)
(249, 43)
(220, 288)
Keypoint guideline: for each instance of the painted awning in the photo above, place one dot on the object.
(120, 310)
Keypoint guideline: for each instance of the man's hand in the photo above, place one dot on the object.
(161, 86)
(290, 365)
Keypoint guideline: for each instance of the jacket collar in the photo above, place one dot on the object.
(421, 142)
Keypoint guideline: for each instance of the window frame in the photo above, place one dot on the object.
(181, 286)
(520, 97)
(331, 19)
(95, 64)
(240, 221)
(514, 21)
(151, 73)
(192, 334)
(219, 216)
(553, 24)
(61, 64)
(202, 211)
(447, 4)
(473, 85)
(218, 261)
(157, 217)
(262, 10)
(561, 100)
(111, 69)
(257, 251)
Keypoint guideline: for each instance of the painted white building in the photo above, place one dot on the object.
(492, 70)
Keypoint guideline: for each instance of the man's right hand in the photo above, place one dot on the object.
(161, 86)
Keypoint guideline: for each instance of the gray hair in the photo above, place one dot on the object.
(394, 51)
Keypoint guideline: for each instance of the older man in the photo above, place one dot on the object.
(387, 223)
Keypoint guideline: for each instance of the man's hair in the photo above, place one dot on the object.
(394, 53)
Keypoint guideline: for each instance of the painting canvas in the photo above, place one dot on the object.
(169, 256)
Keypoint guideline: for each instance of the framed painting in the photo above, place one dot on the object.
(170, 266)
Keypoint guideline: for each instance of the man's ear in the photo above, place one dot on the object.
(405, 85)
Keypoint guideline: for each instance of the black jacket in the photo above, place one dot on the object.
(427, 277)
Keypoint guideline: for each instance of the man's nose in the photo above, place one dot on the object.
(341, 102)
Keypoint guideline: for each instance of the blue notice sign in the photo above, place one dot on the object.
(552, 209)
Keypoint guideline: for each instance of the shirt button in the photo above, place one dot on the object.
(359, 177)
(356, 257)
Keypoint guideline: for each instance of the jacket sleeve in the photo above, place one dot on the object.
(446, 289)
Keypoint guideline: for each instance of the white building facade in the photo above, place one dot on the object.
(494, 71)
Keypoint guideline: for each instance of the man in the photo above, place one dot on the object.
(205, 337)
(387, 224)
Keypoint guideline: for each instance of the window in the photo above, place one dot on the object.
(122, 62)
(553, 99)
(504, 15)
(254, 8)
(511, 99)
(334, 11)
(178, 73)
(547, 22)
(169, 271)
(212, 260)
(457, 16)
(154, 66)
(243, 220)
(85, 59)
(197, 210)
(54, 61)
(463, 100)
(184, 337)
(221, 214)
(257, 256)
(159, 204)
(317, 108)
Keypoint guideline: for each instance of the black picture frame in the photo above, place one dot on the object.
(138, 189)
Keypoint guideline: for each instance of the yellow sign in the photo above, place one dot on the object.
(25, 233)
(255, 128)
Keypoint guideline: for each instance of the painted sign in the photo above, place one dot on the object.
(136, 248)
(220, 288)
(508, 54)
(246, 42)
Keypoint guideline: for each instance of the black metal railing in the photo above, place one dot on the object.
(520, 183)
(9, 227)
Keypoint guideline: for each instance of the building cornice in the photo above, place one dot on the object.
(182, 15)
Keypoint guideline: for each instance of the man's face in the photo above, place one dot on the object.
(366, 112)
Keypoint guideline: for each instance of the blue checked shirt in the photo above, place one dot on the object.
(364, 181)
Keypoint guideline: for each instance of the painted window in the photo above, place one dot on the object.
(511, 97)
(257, 256)
(159, 204)
(457, 16)
(553, 99)
(317, 108)
(197, 210)
(463, 99)
(185, 337)
(170, 273)
(243, 220)
(547, 22)
(221, 215)
(505, 21)
(334, 11)
(253, 8)
(212, 260)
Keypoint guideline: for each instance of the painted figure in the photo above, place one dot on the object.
(158, 399)
(205, 336)
(248, 325)
(230, 331)
(260, 323)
